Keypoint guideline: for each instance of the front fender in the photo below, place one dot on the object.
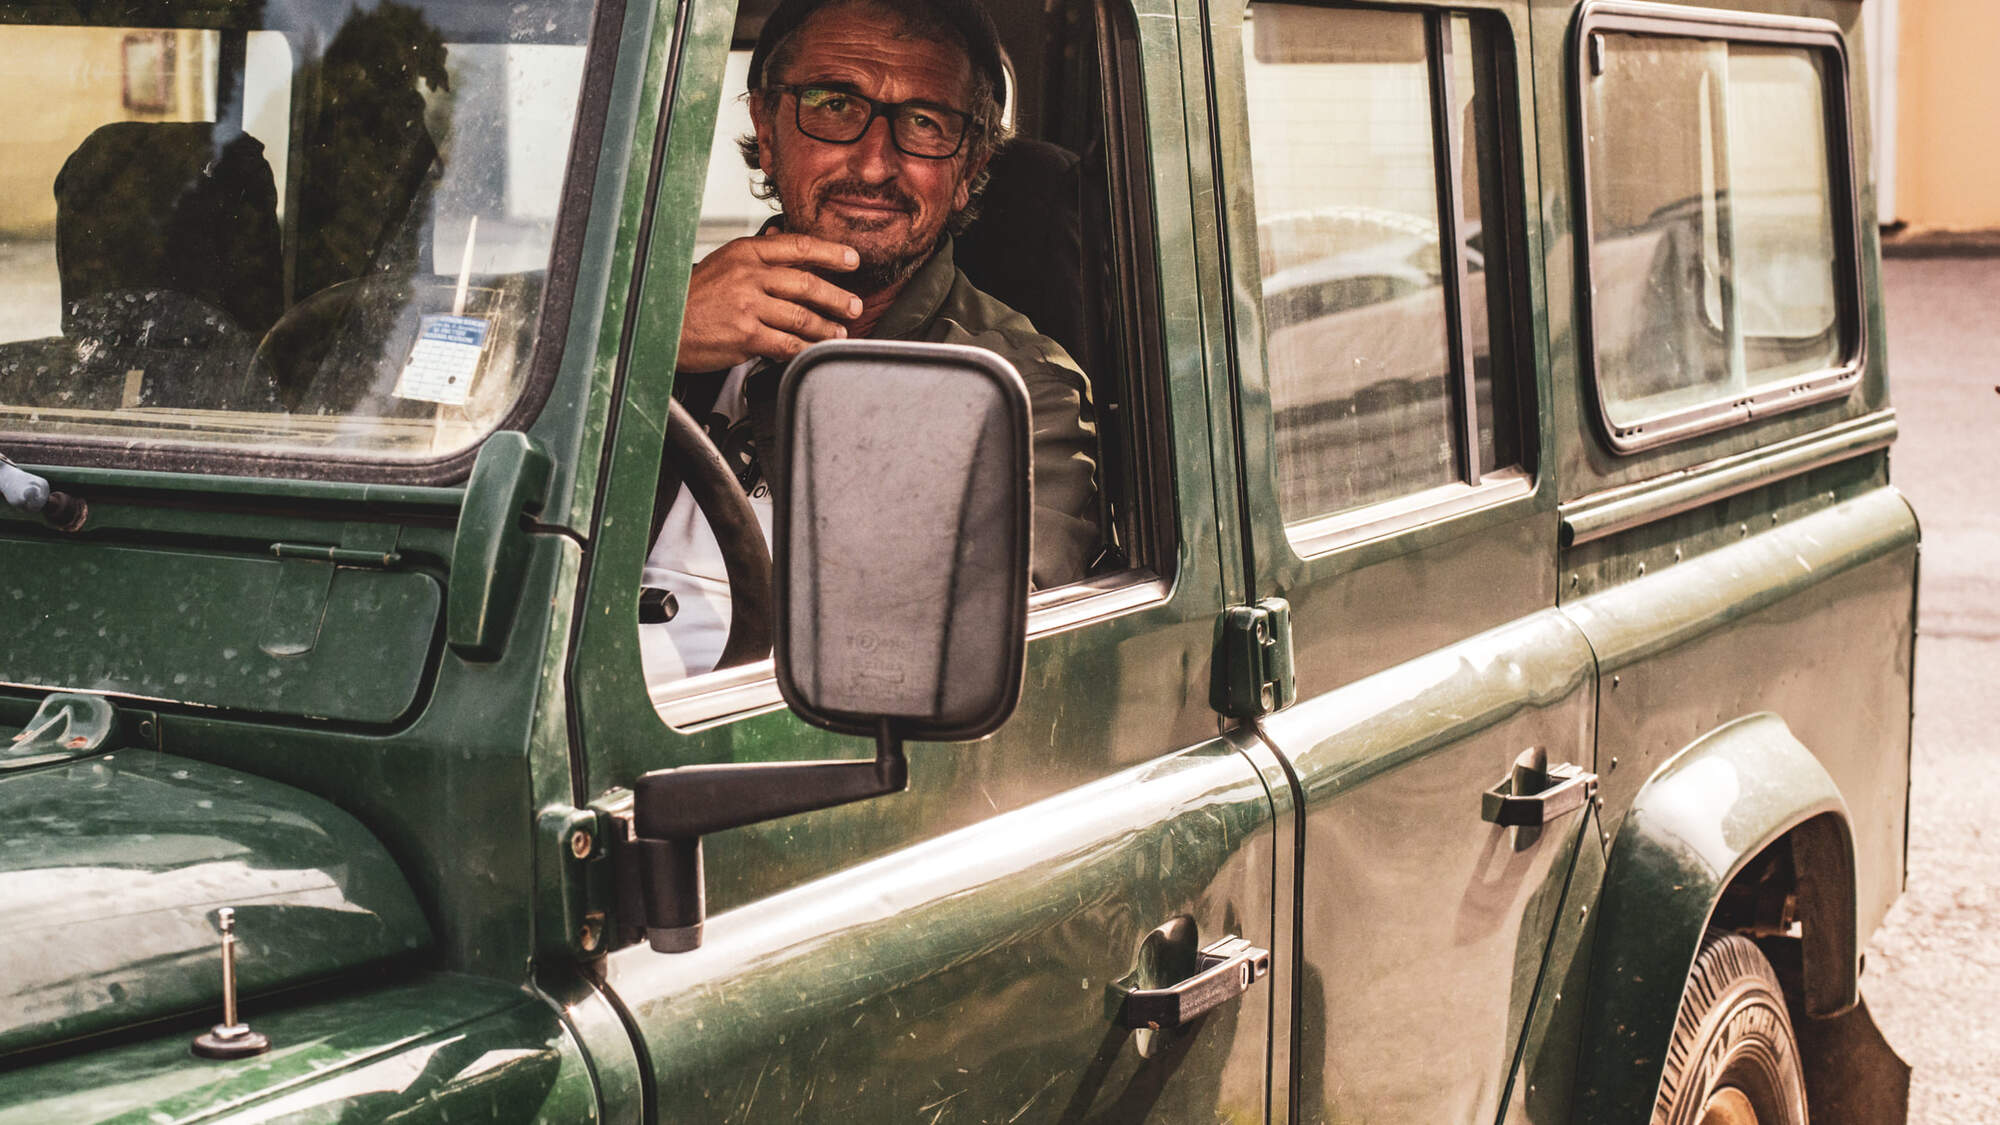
(1699, 820)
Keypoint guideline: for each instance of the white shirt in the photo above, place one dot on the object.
(686, 560)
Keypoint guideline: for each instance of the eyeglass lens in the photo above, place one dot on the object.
(839, 117)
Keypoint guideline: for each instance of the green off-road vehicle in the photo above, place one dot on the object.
(1488, 699)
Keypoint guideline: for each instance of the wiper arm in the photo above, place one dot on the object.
(30, 493)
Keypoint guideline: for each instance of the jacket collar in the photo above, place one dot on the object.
(922, 296)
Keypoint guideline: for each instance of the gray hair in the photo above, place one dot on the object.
(915, 19)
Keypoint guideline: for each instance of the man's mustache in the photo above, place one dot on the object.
(887, 194)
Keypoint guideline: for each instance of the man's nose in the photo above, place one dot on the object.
(874, 156)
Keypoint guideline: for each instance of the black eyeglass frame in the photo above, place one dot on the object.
(875, 109)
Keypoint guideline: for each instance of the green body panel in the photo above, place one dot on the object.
(112, 868)
(970, 973)
(509, 483)
(294, 636)
(1810, 619)
(1545, 1075)
(437, 1049)
(1422, 923)
(1694, 824)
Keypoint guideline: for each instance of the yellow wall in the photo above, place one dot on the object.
(1948, 115)
(59, 83)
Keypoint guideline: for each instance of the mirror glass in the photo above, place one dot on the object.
(902, 552)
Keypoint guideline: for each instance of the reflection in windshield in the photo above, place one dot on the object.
(323, 227)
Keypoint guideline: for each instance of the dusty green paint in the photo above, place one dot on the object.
(437, 1048)
(1545, 1071)
(246, 631)
(1422, 923)
(971, 970)
(1622, 509)
(112, 868)
(1693, 825)
(509, 485)
(573, 426)
(600, 1034)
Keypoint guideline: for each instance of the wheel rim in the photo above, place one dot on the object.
(1728, 1106)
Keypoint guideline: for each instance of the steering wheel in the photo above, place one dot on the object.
(746, 558)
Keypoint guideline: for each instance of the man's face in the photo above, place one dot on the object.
(887, 205)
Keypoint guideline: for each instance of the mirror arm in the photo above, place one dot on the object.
(661, 886)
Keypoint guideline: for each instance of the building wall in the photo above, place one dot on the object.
(60, 83)
(1948, 110)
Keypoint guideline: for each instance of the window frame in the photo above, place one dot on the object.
(1475, 487)
(1150, 514)
(603, 20)
(1761, 400)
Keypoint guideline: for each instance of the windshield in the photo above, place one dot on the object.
(317, 226)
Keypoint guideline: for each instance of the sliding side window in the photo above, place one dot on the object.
(1718, 192)
(1383, 244)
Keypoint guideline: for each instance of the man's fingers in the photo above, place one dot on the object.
(804, 250)
(812, 289)
(773, 344)
(798, 320)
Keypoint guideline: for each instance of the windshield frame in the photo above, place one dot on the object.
(551, 321)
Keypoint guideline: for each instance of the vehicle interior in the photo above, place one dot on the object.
(238, 222)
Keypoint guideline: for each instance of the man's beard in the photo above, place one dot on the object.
(878, 271)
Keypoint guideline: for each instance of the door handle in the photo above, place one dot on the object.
(1536, 793)
(1224, 970)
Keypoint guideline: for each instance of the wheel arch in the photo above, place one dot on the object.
(1706, 837)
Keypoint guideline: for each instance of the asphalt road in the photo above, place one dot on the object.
(1933, 975)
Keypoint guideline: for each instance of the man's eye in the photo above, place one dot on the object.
(829, 101)
(922, 122)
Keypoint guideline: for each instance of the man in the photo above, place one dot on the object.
(873, 123)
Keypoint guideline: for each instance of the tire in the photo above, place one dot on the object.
(1733, 1059)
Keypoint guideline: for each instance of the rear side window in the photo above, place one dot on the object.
(1722, 282)
(1375, 149)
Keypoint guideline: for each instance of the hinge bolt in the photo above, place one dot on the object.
(580, 844)
(589, 936)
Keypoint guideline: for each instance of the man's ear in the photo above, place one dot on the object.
(963, 195)
(763, 122)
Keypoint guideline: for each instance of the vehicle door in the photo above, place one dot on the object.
(955, 952)
(1373, 164)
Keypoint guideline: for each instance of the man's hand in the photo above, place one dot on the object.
(753, 297)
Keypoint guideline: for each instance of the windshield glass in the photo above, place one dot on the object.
(318, 226)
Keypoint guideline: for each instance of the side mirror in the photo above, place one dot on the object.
(901, 573)
(901, 540)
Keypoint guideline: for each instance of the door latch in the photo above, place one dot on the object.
(1535, 792)
(1224, 970)
(1254, 676)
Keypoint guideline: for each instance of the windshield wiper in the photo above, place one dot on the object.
(32, 494)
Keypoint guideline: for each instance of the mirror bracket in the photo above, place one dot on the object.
(661, 889)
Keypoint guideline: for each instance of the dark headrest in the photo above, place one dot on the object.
(1027, 247)
(170, 206)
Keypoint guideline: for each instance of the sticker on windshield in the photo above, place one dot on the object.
(442, 365)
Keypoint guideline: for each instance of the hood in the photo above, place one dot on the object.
(112, 869)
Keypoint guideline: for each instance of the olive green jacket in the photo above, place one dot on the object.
(939, 305)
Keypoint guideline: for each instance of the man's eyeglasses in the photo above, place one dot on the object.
(840, 117)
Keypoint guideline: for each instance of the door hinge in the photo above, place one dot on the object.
(1254, 668)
